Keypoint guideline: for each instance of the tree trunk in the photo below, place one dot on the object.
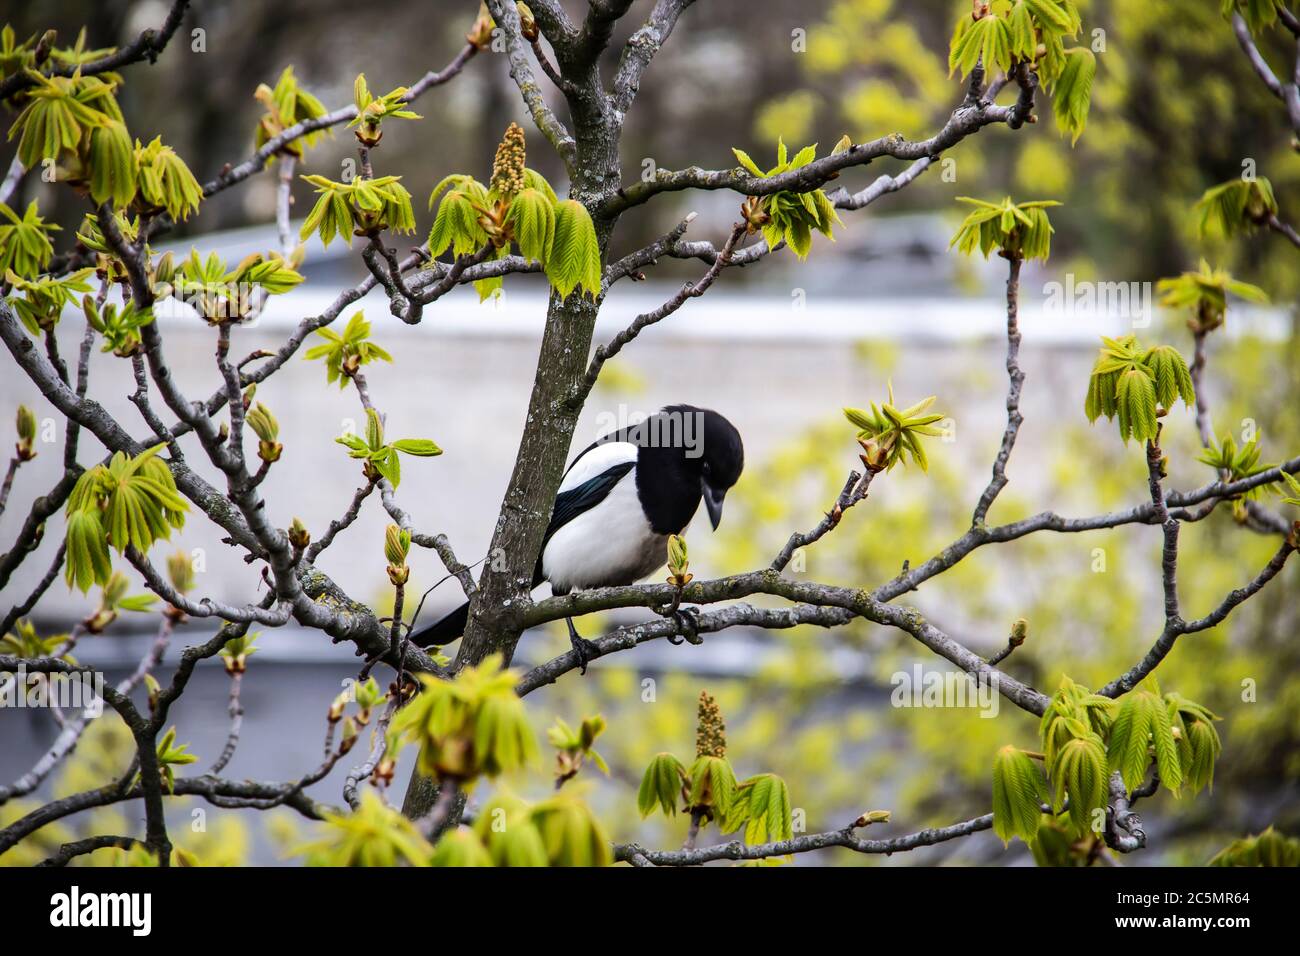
(505, 584)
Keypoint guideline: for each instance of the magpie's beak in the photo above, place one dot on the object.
(713, 503)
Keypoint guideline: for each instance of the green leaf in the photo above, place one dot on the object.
(131, 502)
(390, 466)
(138, 602)
(1024, 41)
(712, 784)
(889, 436)
(535, 180)
(1135, 398)
(1173, 379)
(488, 287)
(1023, 229)
(1205, 292)
(456, 225)
(1237, 206)
(661, 785)
(165, 181)
(762, 807)
(1019, 792)
(374, 430)
(1072, 92)
(1166, 750)
(26, 246)
(749, 165)
(1258, 14)
(112, 164)
(1142, 724)
(574, 260)
(1058, 16)
(987, 39)
(532, 215)
(87, 562)
(421, 447)
(1079, 774)
(1205, 746)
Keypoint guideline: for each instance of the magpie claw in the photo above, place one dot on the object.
(688, 620)
(586, 650)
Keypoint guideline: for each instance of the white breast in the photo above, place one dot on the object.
(608, 545)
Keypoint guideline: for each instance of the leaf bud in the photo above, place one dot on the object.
(26, 424)
(527, 24)
(299, 536)
(870, 817)
(1019, 631)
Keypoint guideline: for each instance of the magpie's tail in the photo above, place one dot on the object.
(444, 631)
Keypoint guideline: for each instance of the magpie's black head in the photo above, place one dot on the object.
(721, 461)
(687, 454)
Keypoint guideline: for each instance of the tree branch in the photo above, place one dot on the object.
(641, 49)
(69, 851)
(1177, 627)
(736, 850)
(257, 162)
(966, 119)
(1016, 378)
(507, 20)
(855, 490)
(146, 46)
(688, 291)
(1289, 94)
(733, 615)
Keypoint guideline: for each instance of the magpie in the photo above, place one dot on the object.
(618, 502)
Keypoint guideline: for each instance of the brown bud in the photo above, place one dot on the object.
(26, 425)
(96, 623)
(875, 453)
(527, 24)
(383, 773)
(154, 689)
(44, 46)
(480, 34)
(349, 736)
(754, 212)
(336, 708)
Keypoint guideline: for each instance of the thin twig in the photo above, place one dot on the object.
(236, 711)
(1016, 378)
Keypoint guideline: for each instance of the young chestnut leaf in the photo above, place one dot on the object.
(1016, 230)
(26, 245)
(889, 436)
(663, 784)
(1205, 293)
(1019, 792)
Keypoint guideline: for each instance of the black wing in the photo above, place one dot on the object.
(569, 504)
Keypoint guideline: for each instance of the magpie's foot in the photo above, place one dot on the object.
(586, 650)
(688, 620)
